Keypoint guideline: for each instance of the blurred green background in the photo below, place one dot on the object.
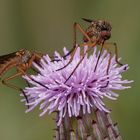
(46, 26)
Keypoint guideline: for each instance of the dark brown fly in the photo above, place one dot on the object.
(22, 60)
(96, 33)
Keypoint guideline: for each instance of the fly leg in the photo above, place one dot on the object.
(98, 58)
(5, 82)
(107, 71)
(90, 46)
(76, 27)
(116, 52)
(73, 53)
(89, 49)
(28, 65)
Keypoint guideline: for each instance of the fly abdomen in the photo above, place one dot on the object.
(8, 61)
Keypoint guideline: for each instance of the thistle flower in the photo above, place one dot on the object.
(83, 93)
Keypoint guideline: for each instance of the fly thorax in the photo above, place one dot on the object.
(26, 57)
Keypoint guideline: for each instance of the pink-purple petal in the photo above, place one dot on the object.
(83, 91)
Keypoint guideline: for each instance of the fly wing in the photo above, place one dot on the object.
(7, 57)
(6, 61)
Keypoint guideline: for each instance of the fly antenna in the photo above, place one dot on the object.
(87, 20)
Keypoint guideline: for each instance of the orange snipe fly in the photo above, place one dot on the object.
(22, 60)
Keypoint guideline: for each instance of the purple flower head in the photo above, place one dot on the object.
(85, 89)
